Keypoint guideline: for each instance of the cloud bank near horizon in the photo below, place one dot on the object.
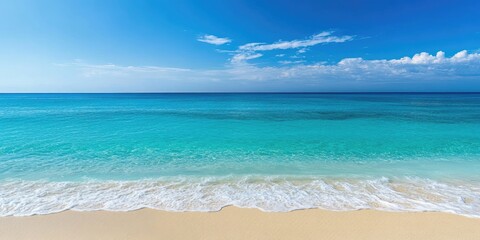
(419, 67)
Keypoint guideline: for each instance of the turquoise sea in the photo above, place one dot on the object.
(275, 152)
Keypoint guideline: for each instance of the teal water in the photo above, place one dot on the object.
(277, 152)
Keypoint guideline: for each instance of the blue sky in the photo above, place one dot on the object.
(192, 46)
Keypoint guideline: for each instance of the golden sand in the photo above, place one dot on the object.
(234, 223)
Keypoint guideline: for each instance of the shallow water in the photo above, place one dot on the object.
(276, 152)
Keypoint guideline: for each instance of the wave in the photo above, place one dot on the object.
(272, 194)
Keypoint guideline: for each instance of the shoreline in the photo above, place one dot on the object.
(73, 210)
(276, 194)
(240, 223)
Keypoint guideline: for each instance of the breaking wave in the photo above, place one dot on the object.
(273, 194)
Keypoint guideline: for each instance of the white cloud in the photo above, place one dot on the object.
(290, 62)
(420, 67)
(321, 38)
(242, 57)
(302, 50)
(211, 39)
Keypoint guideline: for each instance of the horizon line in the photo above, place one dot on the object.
(340, 92)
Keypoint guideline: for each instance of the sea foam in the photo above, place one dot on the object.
(272, 194)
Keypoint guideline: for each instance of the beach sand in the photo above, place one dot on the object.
(236, 223)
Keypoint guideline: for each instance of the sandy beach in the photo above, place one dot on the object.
(235, 223)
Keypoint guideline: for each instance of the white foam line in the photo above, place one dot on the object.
(273, 194)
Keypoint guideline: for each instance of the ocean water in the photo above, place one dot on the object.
(275, 152)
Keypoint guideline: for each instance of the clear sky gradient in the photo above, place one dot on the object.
(230, 46)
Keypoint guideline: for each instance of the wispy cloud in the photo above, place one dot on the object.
(94, 70)
(251, 49)
(211, 39)
(242, 57)
(302, 50)
(285, 62)
(323, 37)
